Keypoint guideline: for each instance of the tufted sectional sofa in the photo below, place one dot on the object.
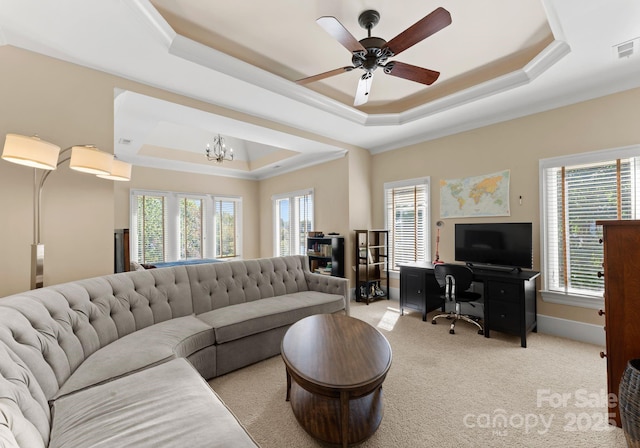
(121, 360)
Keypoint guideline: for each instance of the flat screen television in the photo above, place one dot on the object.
(508, 244)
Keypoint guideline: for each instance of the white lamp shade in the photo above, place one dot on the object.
(89, 159)
(30, 151)
(119, 171)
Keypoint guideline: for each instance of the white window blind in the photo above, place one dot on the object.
(226, 228)
(598, 186)
(191, 227)
(293, 219)
(150, 235)
(407, 218)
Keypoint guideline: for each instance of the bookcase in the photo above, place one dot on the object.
(326, 255)
(372, 265)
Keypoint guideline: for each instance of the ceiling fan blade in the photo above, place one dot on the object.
(364, 87)
(324, 75)
(411, 72)
(431, 24)
(332, 26)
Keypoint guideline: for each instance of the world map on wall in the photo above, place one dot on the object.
(486, 195)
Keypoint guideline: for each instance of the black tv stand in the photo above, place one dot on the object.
(494, 267)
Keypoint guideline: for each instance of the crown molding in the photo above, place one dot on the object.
(223, 63)
(213, 59)
(190, 50)
(150, 15)
(293, 164)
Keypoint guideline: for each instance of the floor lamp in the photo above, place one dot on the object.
(42, 155)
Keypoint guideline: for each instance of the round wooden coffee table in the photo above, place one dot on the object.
(335, 368)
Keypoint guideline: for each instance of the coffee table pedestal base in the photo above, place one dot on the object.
(322, 416)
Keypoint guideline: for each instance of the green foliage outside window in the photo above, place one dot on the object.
(588, 193)
(225, 229)
(151, 211)
(191, 211)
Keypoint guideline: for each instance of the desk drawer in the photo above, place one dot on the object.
(503, 291)
(504, 316)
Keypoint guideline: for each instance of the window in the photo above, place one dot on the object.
(406, 217)
(226, 239)
(150, 228)
(168, 226)
(191, 227)
(293, 214)
(576, 192)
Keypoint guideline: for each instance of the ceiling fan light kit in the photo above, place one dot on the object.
(372, 52)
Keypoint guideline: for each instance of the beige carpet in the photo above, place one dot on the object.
(445, 390)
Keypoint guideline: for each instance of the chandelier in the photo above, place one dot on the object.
(219, 152)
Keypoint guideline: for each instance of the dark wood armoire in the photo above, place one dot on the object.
(621, 266)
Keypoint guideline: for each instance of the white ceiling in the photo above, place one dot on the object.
(281, 36)
(244, 57)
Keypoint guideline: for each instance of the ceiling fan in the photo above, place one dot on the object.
(373, 52)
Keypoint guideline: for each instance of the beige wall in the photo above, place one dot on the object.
(330, 182)
(342, 195)
(518, 145)
(67, 105)
(359, 202)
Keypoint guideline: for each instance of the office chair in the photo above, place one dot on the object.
(455, 281)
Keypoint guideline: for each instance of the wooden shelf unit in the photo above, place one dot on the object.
(326, 255)
(372, 265)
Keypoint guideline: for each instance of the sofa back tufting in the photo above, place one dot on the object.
(24, 411)
(217, 285)
(46, 334)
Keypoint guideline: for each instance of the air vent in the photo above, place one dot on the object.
(626, 49)
(125, 141)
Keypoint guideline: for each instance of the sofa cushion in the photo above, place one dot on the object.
(166, 406)
(238, 321)
(179, 337)
(54, 329)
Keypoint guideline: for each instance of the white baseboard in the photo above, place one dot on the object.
(571, 329)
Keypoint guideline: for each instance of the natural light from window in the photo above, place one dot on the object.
(389, 319)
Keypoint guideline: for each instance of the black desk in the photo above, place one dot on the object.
(509, 297)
